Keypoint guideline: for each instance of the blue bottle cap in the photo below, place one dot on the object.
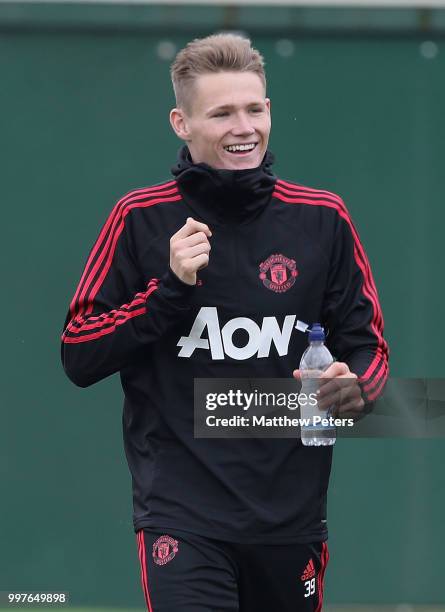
(316, 333)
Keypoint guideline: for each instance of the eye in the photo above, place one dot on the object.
(221, 114)
(257, 110)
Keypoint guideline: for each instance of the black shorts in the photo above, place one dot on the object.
(184, 572)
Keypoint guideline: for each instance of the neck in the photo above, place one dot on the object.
(224, 196)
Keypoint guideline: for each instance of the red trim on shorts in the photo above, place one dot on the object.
(142, 561)
(320, 579)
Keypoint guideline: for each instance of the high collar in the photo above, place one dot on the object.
(224, 196)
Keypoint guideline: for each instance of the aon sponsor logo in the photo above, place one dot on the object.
(207, 334)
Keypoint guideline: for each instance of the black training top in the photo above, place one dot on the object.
(280, 252)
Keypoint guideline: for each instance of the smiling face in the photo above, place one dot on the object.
(229, 123)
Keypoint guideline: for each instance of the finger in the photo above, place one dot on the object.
(191, 240)
(191, 227)
(354, 408)
(201, 261)
(192, 252)
(339, 392)
(329, 385)
(330, 400)
(338, 368)
(347, 397)
(344, 396)
(297, 374)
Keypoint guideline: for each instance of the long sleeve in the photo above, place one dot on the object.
(114, 312)
(352, 311)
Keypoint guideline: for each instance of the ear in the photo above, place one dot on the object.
(267, 101)
(179, 123)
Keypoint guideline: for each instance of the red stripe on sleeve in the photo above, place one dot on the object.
(167, 189)
(368, 384)
(300, 195)
(382, 379)
(344, 215)
(109, 247)
(105, 248)
(322, 196)
(115, 234)
(102, 323)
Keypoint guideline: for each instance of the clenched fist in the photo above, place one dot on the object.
(189, 250)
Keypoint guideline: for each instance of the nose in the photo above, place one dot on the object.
(242, 125)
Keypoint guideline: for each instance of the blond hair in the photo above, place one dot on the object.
(216, 53)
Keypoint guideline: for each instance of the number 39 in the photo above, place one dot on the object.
(310, 587)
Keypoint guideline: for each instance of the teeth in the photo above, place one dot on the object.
(247, 147)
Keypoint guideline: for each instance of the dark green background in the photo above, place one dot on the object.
(84, 118)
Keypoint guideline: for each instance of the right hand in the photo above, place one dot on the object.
(189, 250)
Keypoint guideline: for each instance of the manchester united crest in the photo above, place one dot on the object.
(278, 273)
(164, 549)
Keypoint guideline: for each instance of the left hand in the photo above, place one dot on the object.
(339, 388)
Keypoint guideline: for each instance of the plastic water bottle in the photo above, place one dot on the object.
(315, 360)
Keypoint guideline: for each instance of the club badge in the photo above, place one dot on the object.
(278, 273)
(164, 549)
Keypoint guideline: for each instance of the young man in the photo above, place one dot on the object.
(178, 286)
